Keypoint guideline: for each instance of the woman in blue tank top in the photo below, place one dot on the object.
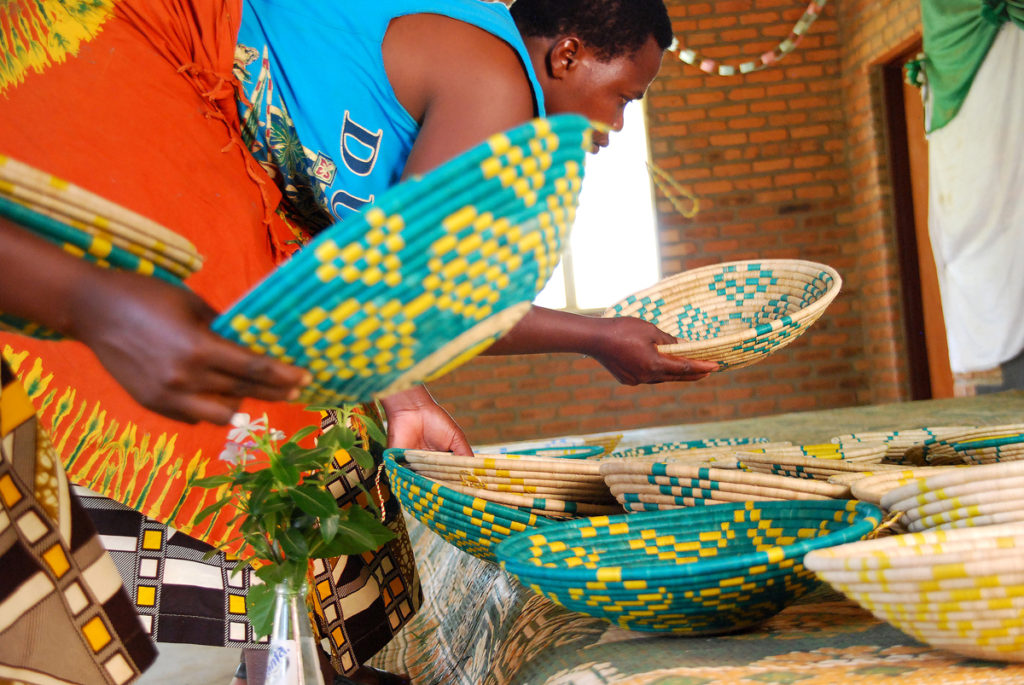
(344, 99)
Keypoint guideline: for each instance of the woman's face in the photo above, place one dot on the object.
(600, 89)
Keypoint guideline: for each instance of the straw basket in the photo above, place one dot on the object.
(694, 571)
(961, 497)
(431, 274)
(90, 227)
(473, 524)
(960, 590)
(897, 442)
(643, 485)
(977, 444)
(735, 313)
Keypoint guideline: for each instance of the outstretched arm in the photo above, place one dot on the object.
(626, 346)
(153, 338)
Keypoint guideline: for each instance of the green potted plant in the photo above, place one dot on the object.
(287, 517)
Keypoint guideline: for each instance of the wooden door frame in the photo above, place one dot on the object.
(903, 214)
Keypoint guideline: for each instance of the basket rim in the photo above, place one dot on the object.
(865, 517)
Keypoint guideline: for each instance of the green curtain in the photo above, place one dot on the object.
(957, 36)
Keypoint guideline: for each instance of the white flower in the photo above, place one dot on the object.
(243, 426)
(233, 453)
(275, 434)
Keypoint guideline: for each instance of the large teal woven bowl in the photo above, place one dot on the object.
(472, 524)
(431, 274)
(690, 571)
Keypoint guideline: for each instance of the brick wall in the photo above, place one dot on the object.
(787, 162)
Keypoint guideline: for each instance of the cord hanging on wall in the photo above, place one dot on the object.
(710, 66)
(672, 191)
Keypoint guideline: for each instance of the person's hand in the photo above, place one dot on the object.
(416, 421)
(628, 348)
(155, 340)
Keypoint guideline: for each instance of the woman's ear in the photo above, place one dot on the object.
(563, 57)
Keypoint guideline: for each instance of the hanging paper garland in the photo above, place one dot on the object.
(710, 66)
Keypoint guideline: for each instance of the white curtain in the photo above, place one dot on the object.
(976, 212)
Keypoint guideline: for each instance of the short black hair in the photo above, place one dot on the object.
(612, 28)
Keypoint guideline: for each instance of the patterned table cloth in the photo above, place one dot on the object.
(479, 625)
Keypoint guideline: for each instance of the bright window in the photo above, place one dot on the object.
(613, 248)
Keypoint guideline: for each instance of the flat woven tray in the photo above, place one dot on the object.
(429, 276)
(735, 313)
(939, 586)
(692, 571)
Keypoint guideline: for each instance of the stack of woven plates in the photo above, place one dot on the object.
(976, 444)
(870, 487)
(427, 277)
(643, 485)
(89, 227)
(685, 448)
(897, 442)
(818, 462)
(969, 496)
(735, 313)
(695, 571)
(961, 590)
(473, 524)
(542, 485)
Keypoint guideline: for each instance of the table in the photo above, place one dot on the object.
(479, 625)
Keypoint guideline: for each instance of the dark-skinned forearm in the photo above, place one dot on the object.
(549, 331)
(38, 280)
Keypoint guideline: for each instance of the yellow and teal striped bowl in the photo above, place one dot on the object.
(690, 571)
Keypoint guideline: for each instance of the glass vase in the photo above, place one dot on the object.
(293, 658)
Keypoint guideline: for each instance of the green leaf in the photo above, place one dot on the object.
(259, 607)
(329, 527)
(362, 457)
(294, 544)
(308, 460)
(213, 481)
(300, 434)
(320, 407)
(313, 500)
(216, 506)
(373, 430)
(271, 574)
(286, 474)
(338, 437)
(359, 532)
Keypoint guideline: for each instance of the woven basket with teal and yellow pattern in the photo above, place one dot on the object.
(735, 313)
(431, 274)
(691, 571)
(473, 524)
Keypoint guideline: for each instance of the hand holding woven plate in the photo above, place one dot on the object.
(429, 276)
(735, 313)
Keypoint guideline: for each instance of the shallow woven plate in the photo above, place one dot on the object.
(913, 580)
(691, 571)
(682, 447)
(954, 483)
(735, 313)
(429, 276)
(871, 488)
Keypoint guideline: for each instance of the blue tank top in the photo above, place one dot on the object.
(321, 115)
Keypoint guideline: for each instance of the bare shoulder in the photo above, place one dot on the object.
(431, 57)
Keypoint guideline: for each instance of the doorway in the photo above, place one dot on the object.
(925, 328)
